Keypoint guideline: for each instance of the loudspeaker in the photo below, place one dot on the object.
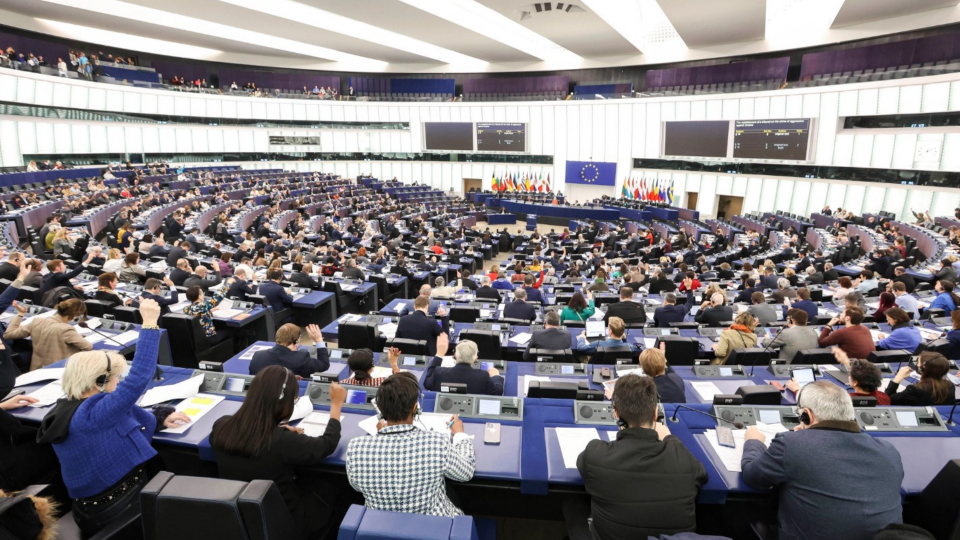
(760, 394)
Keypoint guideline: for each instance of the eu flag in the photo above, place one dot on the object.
(593, 173)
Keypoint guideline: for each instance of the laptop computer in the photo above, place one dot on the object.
(595, 331)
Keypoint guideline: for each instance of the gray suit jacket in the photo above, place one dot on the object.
(795, 339)
(822, 467)
(548, 338)
(765, 313)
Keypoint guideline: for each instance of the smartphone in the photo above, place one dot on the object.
(725, 437)
(491, 433)
(14, 393)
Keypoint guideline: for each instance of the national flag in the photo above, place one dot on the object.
(549, 188)
(493, 184)
(670, 193)
(623, 190)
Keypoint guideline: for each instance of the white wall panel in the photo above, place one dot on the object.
(98, 139)
(794, 106)
(61, 95)
(873, 199)
(848, 103)
(761, 108)
(936, 97)
(63, 141)
(911, 98)
(27, 135)
(882, 151)
(25, 89)
(116, 139)
(853, 200)
(151, 139)
(818, 196)
(867, 101)
(827, 129)
(44, 93)
(8, 87)
(801, 198)
(778, 107)
(134, 138)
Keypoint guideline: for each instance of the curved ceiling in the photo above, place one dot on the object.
(469, 36)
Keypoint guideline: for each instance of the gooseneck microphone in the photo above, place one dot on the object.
(952, 409)
(674, 419)
(753, 366)
(158, 375)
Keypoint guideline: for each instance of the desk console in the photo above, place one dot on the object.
(224, 384)
(653, 332)
(358, 397)
(870, 419)
(558, 368)
(406, 361)
(597, 413)
(715, 372)
(786, 370)
(485, 407)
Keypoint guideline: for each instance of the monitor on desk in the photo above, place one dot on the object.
(594, 329)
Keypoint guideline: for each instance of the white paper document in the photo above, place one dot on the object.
(350, 317)
(47, 395)
(181, 390)
(649, 342)
(196, 408)
(706, 389)
(381, 371)
(127, 337)
(522, 338)
(315, 423)
(37, 375)
(179, 306)
(301, 409)
(26, 322)
(731, 457)
(369, 425)
(389, 330)
(572, 443)
(250, 352)
(433, 422)
(448, 361)
(227, 313)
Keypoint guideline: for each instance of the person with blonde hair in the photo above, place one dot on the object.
(114, 261)
(103, 439)
(54, 338)
(739, 336)
(62, 243)
(669, 384)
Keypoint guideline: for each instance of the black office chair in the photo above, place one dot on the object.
(937, 508)
(383, 290)
(408, 346)
(488, 342)
(192, 508)
(614, 355)
(941, 346)
(814, 356)
(464, 314)
(189, 344)
(932, 314)
(346, 303)
(97, 308)
(127, 314)
(357, 335)
(678, 350)
(894, 356)
(685, 325)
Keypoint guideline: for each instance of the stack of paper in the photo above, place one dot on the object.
(37, 375)
(127, 337)
(433, 422)
(706, 389)
(47, 395)
(522, 338)
(389, 330)
(573, 441)
(380, 371)
(196, 408)
(315, 423)
(731, 457)
(301, 408)
(181, 390)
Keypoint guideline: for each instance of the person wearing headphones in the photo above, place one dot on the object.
(54, 338)
(713, 312)
(847, 503)
(100, 434)
(415, 484)
(796, 336)
(287, 353)
(478, 381)
(256, 443)
(645, 483)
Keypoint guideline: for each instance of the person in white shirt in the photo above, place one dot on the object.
(61, 67)
(904, 301)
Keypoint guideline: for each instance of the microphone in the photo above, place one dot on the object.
(753, 365)
(952, 409)
(158, 376)
(674, 419)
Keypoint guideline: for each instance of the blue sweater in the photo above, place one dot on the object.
(906, 337)
(109, 434)
(943, 301)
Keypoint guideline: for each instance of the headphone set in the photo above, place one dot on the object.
(283, 388)
(804, 415)
(621, 423)
(103, 379)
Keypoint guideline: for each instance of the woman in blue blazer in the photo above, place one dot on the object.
(100, 434)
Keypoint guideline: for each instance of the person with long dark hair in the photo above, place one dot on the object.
(933, 388)
(256, 444)
(579, 308)
(946, 299)
(361, 364)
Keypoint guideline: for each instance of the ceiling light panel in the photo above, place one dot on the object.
(792, 18)
(325, 20)
(158, 17)
(487, 22)
(128, 41)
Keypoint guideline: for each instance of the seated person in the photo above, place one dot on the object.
(669, 384)
(740, 335)
(848, 503)
(670, 311)
(151, 290)
(420, 326)
(616, 337)
(551, 337)
(53, 338)
(855, 339)
(519, 308)
(933, 388)
(794, 337)
(286, 353)
(107, 291)
(416, 483)
(361, 365)
(761, 310)
(626, 309)
(202, 308)
(478, 381)
(645, 483)
(179, 274)
(239, 288)
(255, 443)
(713, 312)
(903, 335)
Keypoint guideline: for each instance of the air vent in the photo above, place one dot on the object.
(543, 7)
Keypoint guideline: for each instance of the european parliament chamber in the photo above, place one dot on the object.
(479, 270)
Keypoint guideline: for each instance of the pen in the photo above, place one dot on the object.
(450, 423)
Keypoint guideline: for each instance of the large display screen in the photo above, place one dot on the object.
(706, 138)
(448, 136)
(501, 137)
(772, 139)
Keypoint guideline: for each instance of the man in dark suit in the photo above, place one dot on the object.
(199, 278)
(531, 286)
(713, 312)
(769, 279)
(180, 274)
(478, 381)
(907, 280)
(750, 287)
(159, 248)
(10, 268)
(178, 252)
(273, 291)
(671, 312)
(239, 289)
(814, 277)
(803, 263)
(420, 326)
(628, 310)
(519, 308)
(151, 290)
(464, 281)
(552, 337)
(351, 271)
(804, 303)
(303, 278)
(486, 291)
(287, 353)
(644, 451)
(830, 273)
(847, 503)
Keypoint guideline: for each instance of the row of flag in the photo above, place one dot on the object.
(648, 189)
(530, 183)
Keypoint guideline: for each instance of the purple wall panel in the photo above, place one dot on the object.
(189, 72)
(760, 70)
(517, 85)
(49, 51)
(266, 79)
(899, 53)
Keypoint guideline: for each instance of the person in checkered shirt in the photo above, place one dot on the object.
(403, 467)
